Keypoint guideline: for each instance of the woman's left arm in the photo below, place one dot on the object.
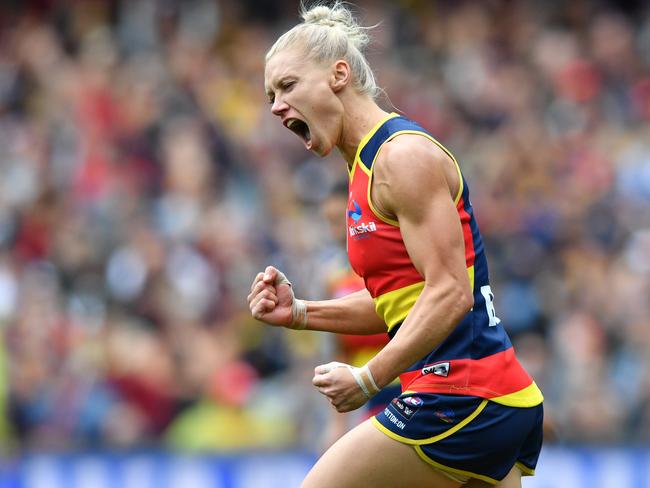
(415, 181)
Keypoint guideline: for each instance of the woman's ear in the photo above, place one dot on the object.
(340, 75)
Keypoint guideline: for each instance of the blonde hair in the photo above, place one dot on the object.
(330, 33)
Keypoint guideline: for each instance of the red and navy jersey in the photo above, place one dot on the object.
(477, 358)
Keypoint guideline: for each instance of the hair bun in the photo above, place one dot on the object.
(330, 17)
(330, 33)
(337, 16)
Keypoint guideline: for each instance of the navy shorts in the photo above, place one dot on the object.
(466, 436)
(377, 403)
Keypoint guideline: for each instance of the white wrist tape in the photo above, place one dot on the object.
(356, 372)
(298, 307)
(365, 380)
(372, 386)
(362, 376)
(298, 314)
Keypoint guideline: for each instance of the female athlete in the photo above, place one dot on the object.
(469, 414)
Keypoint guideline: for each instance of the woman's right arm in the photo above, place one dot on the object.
(352, 314)
(271, 301)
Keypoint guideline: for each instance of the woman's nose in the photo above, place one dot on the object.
(278, 106)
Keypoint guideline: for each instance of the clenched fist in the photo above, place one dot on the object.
(272, 301)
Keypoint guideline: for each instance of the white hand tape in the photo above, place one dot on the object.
(298, 307)
(362, 376)
(362, 384)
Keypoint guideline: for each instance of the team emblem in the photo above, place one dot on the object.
(407, 406)
(413, 401)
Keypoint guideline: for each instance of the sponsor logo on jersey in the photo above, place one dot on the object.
(359, 229)
(363, 228)
(355, 214)
(439, 369)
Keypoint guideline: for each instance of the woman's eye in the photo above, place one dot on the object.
(288, 85)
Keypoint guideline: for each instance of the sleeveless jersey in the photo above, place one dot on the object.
(477, 358)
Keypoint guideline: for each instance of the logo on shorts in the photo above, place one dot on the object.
(407, 406)
(447, 415)
(439, 369)
(393, 419)
(414, 402)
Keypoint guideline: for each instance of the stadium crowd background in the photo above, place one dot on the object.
(145, 181)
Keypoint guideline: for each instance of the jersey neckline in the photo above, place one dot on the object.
(367, 137)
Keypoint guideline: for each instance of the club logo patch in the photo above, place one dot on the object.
(414, 402)
(406, 407)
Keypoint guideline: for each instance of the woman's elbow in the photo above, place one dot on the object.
(462, 300)
(456, 298)
(466, 301)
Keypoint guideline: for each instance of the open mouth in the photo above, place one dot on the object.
(301, 129)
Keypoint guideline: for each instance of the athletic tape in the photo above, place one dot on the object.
(368, 387)
(373, 386)
(298, 314)
(298, 307)
(362, 384)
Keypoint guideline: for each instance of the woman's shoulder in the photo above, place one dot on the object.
(409, 151)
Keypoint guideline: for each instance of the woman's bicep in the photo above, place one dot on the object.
(433, 237)
(414, 188)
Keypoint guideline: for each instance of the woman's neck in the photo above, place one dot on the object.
(360, 116)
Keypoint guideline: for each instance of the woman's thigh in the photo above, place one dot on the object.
(367, 457)
(513, 480)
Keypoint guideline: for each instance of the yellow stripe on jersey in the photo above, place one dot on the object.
(364, 141)
(528, 397)
(470, 274)
(395, 305)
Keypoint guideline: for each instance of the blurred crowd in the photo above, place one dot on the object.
(145, 182)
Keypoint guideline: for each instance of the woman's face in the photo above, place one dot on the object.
(300, 93)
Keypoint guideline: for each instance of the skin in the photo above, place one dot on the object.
(322, 96)
(415, 183)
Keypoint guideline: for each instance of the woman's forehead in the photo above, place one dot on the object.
(284, 62)
(281, 66)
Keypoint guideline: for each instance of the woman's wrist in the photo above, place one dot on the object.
(366, 381)
(298, 314)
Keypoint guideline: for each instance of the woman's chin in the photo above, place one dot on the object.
(318, 149)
